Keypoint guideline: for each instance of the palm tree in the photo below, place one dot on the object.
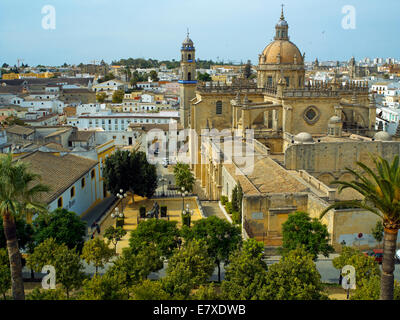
(381, 191)
(19, 189)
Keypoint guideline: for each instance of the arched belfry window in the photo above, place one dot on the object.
(189, 56)
(189, 76)
(218, 107)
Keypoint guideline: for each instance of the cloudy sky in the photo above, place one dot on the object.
(229, 30)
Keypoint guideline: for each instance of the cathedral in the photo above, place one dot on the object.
(303, 136)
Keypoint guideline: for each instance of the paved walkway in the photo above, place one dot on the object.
(98, 210)
(211, 208)
(131, 212)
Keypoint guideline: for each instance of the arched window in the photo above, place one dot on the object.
(189, 56)
(219, 107)
(189, 76)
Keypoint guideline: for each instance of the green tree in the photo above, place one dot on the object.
(301, 230)
(246, 273)
(203, 76)
(234, 197)
(106, 287)
(378, 231)
(67, 263)
(64, 226)
(184, 176)
(133, 267)
(369, 290)
(5, 275)
(381, 191)
(162, 234)
(118, 96)
(294, 277)
(221, 238)
(101, 97)
(96, 251)
(19, 193)
(107, 77)
(114, 235)
(188, 268)
(130, 171)
(150, 290)
(153, 75)
(365, 267)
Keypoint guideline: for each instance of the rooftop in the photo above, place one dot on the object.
(58, 172)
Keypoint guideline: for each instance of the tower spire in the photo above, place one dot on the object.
(282, 15)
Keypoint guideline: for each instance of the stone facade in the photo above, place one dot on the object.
(303, 136)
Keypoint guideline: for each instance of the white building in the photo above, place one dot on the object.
(109, 121)
(74, 181)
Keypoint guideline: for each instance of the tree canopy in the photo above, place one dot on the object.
(365, 267)
(188, 268)
(301, 230)
(221, 238)
(96, 251)
(64, 226)
(246, 273)
(294, 277)
(130, 171)
(162, 233)
(184, 176)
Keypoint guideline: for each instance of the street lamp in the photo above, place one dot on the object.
(184, 194)
(119, 216)
(121, 195)
(187, 215)
(162, 180)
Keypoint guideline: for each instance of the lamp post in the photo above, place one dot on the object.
(187, 215)
(121, 195)
(116, 214)
(163, 180)
(184, 194)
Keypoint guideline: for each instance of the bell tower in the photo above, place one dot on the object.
(187, 79)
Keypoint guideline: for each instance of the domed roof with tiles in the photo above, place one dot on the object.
(287, 50)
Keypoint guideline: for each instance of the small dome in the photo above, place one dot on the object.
(335, 119)
(382, 136)
(303, 137)
(282, 23)
(188, 42)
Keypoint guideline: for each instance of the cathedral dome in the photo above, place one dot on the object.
(382, 136)
(287, 50)
(303, 137)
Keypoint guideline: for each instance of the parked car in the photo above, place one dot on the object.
(165, 162)
(377, 254)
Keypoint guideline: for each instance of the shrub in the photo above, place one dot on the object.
(224, 200)
(186, 218)
(142, 211)
(236, 217)
(228, 207)
(163, 210)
